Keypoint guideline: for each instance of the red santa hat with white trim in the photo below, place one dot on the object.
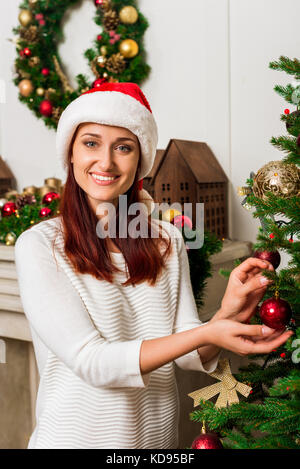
(119, 104)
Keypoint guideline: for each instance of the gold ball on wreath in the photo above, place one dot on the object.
(128, 15)
(101, 60)
(128, 48)
(282, 179)
(103, 50)
(10, 239)
(25, 17)
(40, 91)
(33, 3)
(25, 87)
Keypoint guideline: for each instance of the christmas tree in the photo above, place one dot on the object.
(270, 416)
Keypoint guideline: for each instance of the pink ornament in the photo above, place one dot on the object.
(181, 220)
(111, 33)
(45, 212)
(117, 37)
(49, 197)
(112, 41)
(42, 22)
(39, 16)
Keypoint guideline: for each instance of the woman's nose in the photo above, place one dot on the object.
(105, 158)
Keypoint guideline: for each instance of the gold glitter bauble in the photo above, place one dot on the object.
(282, 179)
(10, 239)
(25, 17)
(128, 48)
(40, 91)
(128, 15)
(103, 50)
(169, 214)
(25, 87)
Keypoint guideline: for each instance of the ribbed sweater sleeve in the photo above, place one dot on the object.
(187, 314)
(58, 315)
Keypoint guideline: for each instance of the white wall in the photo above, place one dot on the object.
(210, 82)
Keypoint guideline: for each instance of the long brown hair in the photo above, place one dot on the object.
(89, 253)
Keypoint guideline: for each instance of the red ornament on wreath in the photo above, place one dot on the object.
(8, 209)
(206, 441)
(45, 71)
(275, 312)
(49, 197)
(45, 212)
(46, 108)
(27, 52)
(97, 83)
(272, 256)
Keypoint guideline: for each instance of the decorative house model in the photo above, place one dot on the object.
(188, 171)
(7, 179)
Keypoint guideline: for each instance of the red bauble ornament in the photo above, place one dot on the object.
(8, 209)
(45, 71)
(181, 220)
(98, 82)
(207, 441)
(45, 212)
(271, 236)
(27, 52)
(47, 199)
(99, 37)
(46, 108)
(275, 313)
(271, 256)
(286, 111)
(98, 3)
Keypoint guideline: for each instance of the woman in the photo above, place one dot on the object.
(109, 315)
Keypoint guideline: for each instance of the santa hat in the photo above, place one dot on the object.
(119, 104)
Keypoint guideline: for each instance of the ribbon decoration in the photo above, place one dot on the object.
(227, 388)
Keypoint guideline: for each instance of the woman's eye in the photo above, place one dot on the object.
(125, 146)
(86, 143)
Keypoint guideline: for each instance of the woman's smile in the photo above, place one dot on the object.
(103, 180)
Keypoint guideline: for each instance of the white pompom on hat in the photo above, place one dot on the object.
(119, 104)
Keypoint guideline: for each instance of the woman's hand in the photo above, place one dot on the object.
(244, 339)
(246, 287)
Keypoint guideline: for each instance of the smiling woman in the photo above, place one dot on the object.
(106, 326)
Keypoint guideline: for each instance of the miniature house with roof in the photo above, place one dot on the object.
(188, 171)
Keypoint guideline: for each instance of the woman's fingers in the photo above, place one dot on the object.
(257, 283)
(249, 265)
(267, 347)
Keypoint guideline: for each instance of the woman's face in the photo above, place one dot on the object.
(107, 150)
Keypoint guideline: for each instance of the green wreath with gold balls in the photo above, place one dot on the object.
(118, 54)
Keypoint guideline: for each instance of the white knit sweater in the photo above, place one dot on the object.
(87, 335)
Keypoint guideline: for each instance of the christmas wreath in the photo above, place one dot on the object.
(118, 53)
